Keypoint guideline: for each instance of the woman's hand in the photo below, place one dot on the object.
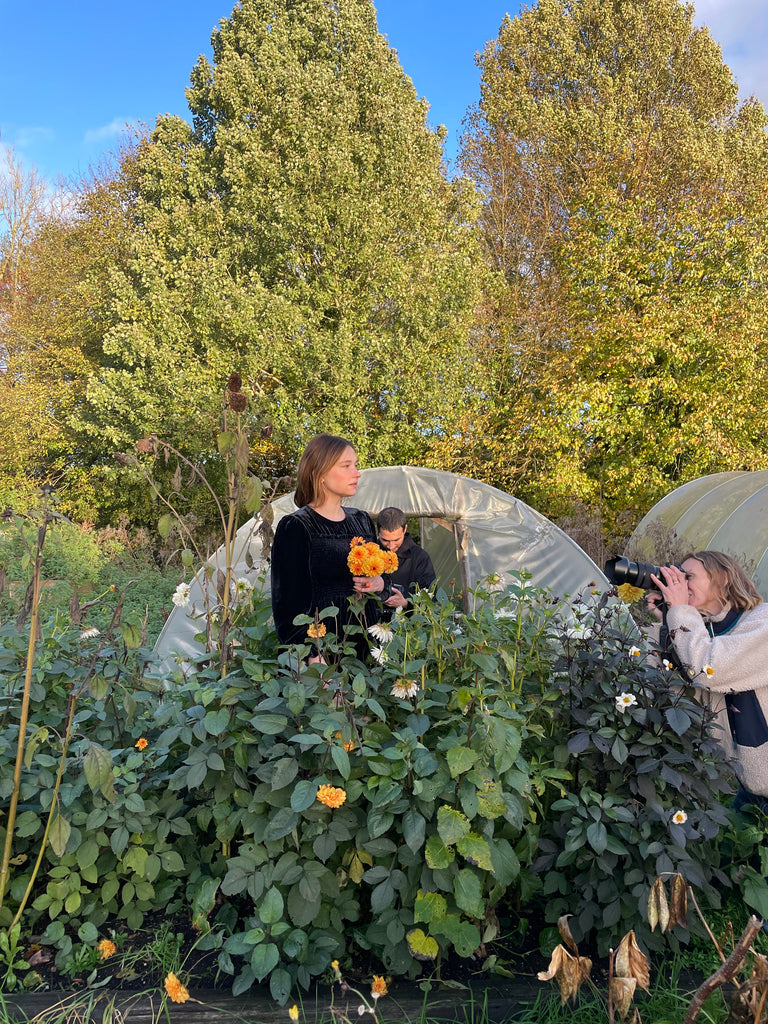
(317, 659)
(396, 600)
(674, 586)
(652, 601)
(368, 584)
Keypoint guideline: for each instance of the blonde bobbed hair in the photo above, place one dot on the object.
(733, 584)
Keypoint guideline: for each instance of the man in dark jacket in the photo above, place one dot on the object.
(414, 570)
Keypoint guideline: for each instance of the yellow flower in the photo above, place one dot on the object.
(336, 970)
(106, 948)
(141, 743)
(315, 631)
(177, 992)
(348, 745)
(379, 987)
(331, 796)
(627, 593)
(293, 1013)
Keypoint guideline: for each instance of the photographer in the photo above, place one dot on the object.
(718, 630)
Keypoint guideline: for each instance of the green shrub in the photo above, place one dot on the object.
(482, 758)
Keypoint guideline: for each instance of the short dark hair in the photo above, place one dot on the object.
(391, 519)
(322, 452)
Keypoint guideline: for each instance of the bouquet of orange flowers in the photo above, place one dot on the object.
(366, 558)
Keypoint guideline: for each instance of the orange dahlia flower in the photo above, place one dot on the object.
(331, 796)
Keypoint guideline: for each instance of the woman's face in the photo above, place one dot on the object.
(341, 479)
(702, 592)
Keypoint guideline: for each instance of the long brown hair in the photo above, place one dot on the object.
(322, 452)
(732, 582)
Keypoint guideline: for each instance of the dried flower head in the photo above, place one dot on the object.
(177, 992)
(404, 688)
(237, 401)
(106, 948)
(331, 796)
(145, 446)
(235, 382)
(90, 634)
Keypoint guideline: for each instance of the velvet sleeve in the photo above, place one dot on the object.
(290, 579)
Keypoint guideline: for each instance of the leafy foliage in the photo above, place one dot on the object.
(302, 230)
(482, 757)
(625, 217)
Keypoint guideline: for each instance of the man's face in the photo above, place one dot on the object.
(392, 539)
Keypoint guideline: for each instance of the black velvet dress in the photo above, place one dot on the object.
(310, 572)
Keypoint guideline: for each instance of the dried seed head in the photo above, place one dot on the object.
(235, 382)
(237, 401)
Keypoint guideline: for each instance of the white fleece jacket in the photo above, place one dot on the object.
(737, 684)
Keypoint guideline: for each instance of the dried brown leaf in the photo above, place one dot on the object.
(658, 908)
(568, 971)
(678, 903)
(565, 933)
(622, 991)
(631, 962)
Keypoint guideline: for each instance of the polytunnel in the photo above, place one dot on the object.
(721, 512)
(470, 529)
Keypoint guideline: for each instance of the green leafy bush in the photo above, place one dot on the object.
(647, 778)
(475, 759)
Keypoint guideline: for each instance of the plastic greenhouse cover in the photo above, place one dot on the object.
(722, 512)
(468, 528)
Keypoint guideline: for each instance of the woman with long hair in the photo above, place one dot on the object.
(717, 627)
(309, 554)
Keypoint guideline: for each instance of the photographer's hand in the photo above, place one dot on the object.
(674, 586)
(653, 600)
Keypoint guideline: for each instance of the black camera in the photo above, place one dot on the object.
(638, 574)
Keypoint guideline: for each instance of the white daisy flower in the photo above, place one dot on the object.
(634, 652)
(679, 818)
(381, 631)
(405, 688)
(625, 700)
(666, 664)
(90, 634)
(379, 655)
(243, 587)
(708, 670)
(181, 596)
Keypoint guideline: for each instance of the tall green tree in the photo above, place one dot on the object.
(302, 232)
(625, 216)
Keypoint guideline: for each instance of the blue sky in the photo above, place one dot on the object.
(72, 74)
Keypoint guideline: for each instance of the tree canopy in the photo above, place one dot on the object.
(625, 217)
(300, 231)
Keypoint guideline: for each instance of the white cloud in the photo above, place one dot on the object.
(117, 127)
(741, 29)
(30, 135)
